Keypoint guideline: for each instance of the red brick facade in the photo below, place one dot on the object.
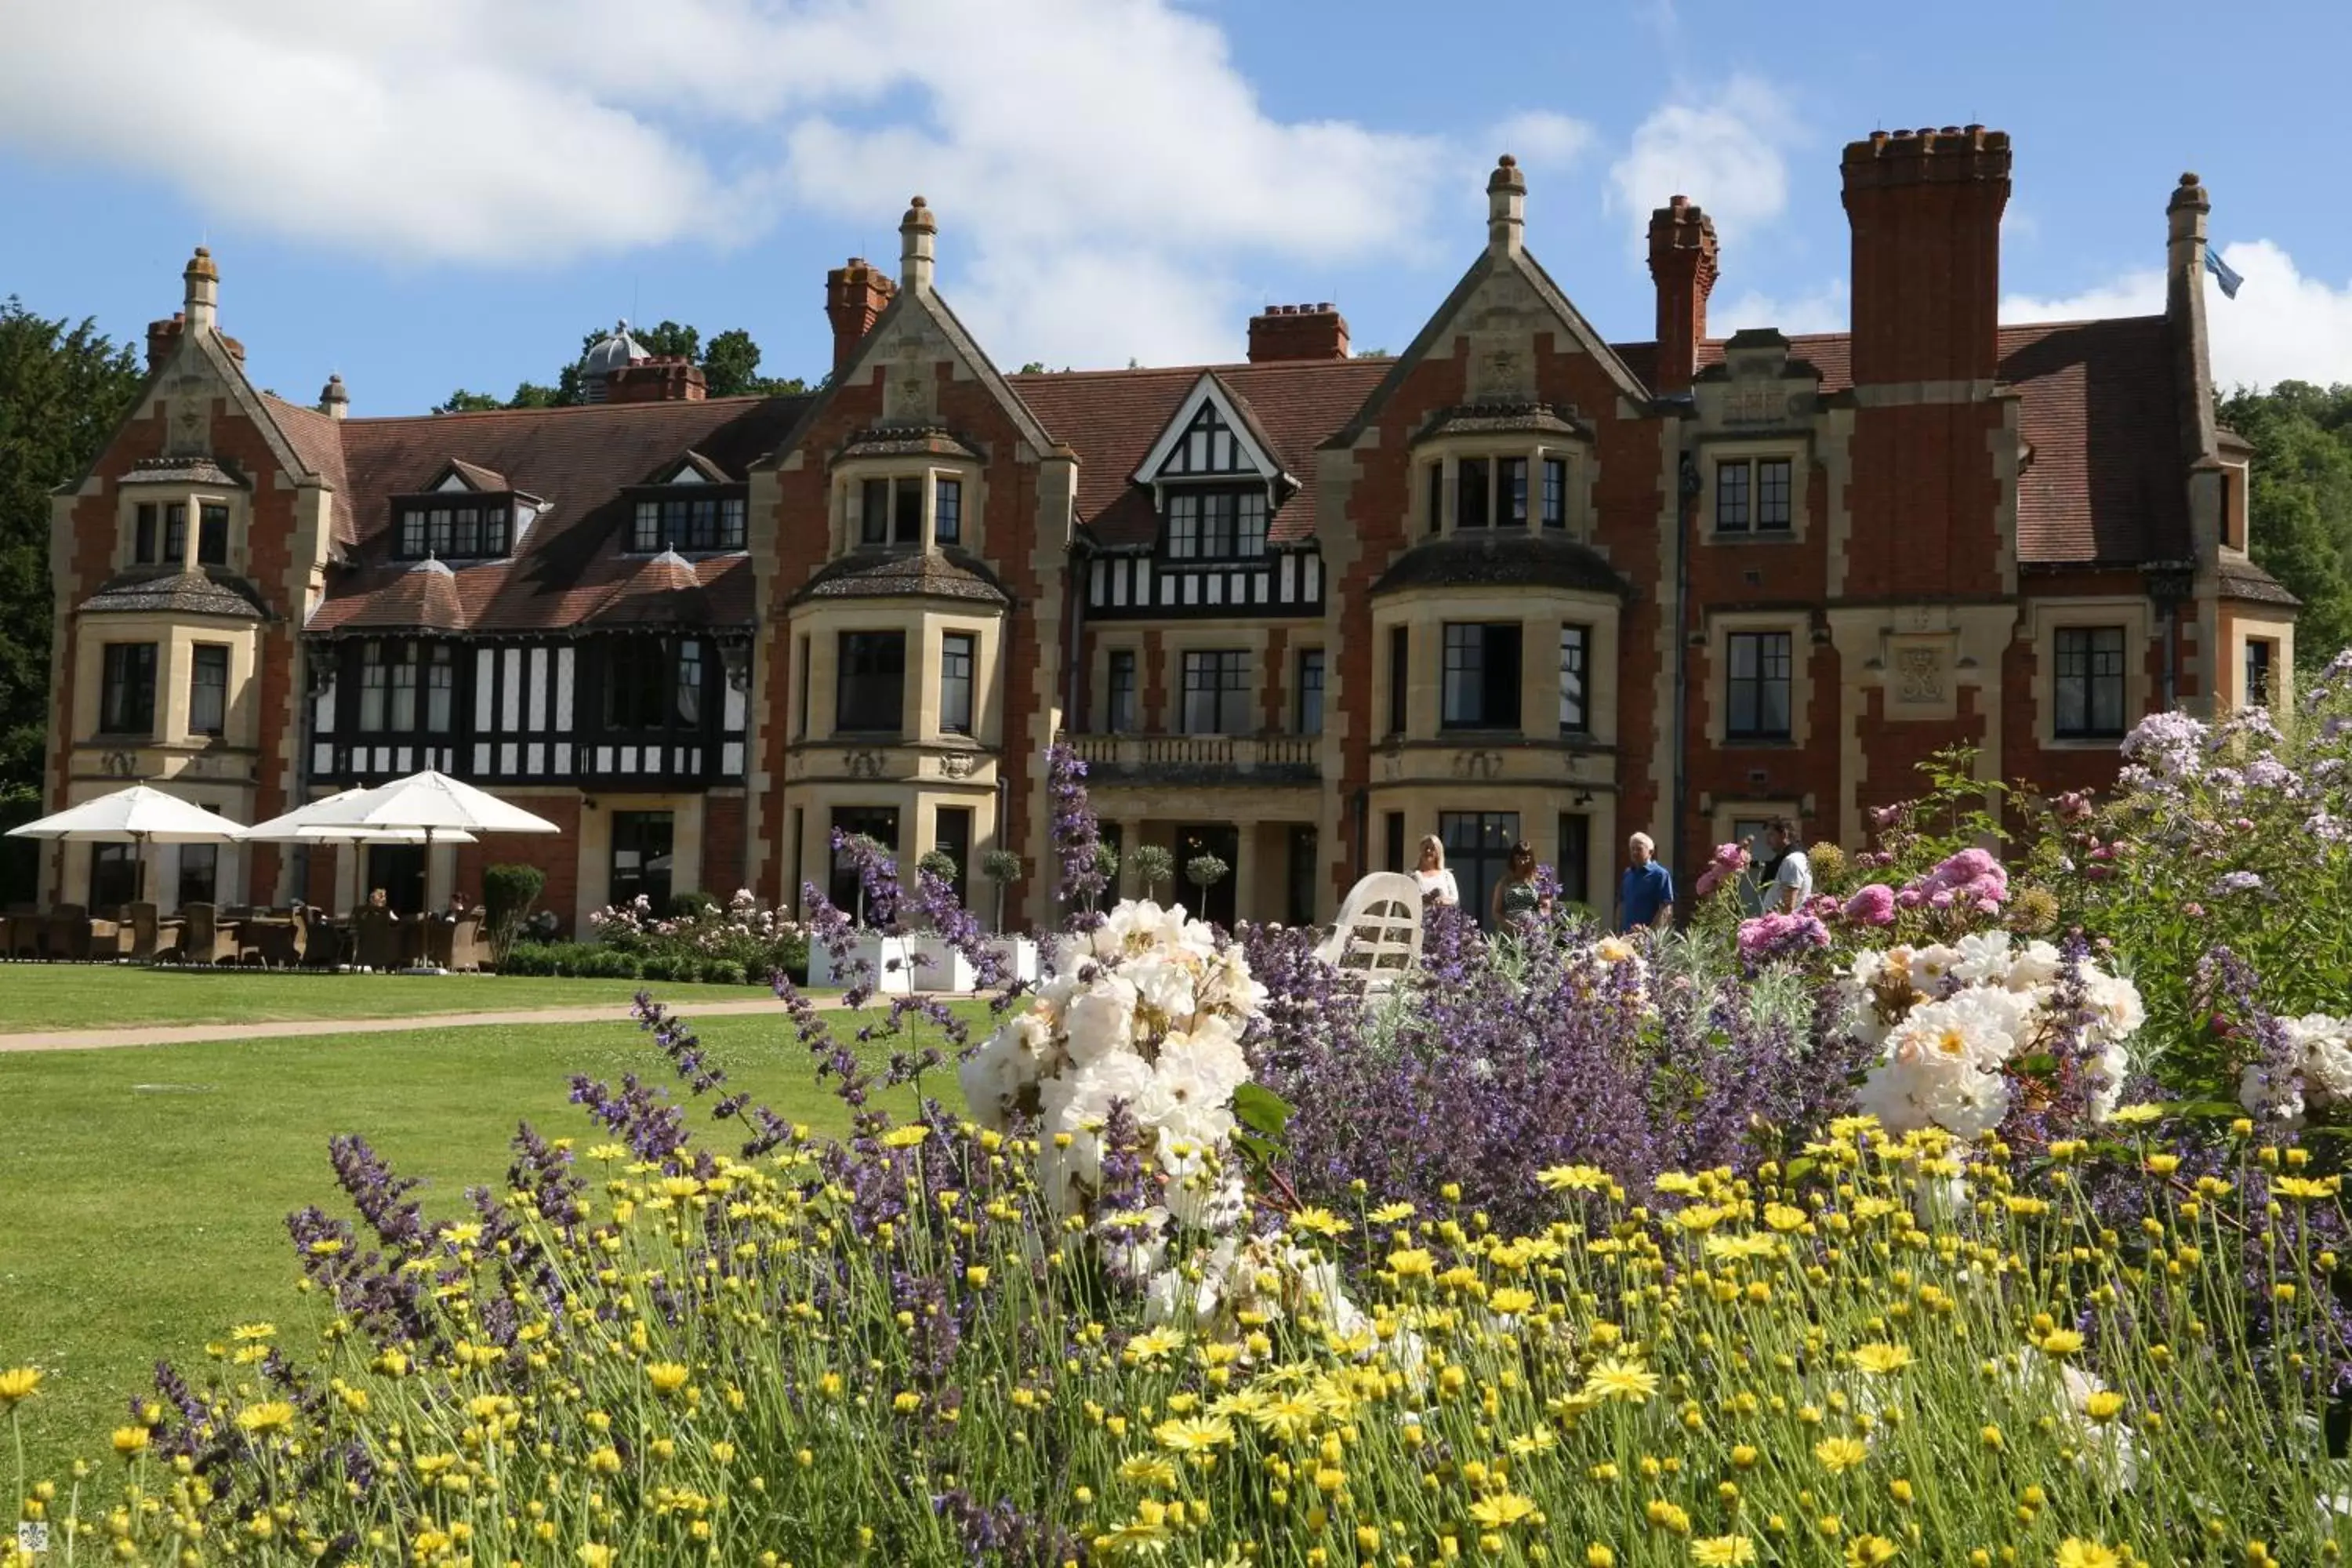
(1678, 584)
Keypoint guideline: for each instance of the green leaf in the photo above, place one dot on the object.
(1261, 1110)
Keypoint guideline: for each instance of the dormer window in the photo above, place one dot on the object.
(448, 527)
(688, 523)
(1221, 524)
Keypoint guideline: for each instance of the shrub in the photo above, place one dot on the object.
(1154, 864)
(760, 941)
(1001, 868)
(721, 972)
(508, 894)
(692, 906)
(528, 958)
(661, 966)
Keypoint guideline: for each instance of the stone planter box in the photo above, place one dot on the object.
(889, 955)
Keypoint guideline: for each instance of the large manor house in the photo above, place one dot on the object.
(1515, 582)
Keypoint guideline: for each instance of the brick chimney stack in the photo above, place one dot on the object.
(854, 297)
(1683, 264)
(163, 337)
(1925, 206)
(1298, 332)
(666, 378)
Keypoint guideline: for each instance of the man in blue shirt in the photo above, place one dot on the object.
(1645, 897)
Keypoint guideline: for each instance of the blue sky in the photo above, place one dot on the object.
(424, 194)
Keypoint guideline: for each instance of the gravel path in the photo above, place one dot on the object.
(612, 1012)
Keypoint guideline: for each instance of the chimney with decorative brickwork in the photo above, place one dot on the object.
(1683, 263)
(854, 297)
(1298, 332)
(1924, 206)
(163, 337)
(666, 378)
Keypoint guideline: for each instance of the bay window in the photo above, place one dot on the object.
(869, 694)
(1482, 676)
(127, 689)
(208, 690)
(955, 682)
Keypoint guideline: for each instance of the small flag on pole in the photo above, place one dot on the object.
(2223, 273)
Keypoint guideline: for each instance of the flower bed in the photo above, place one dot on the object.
(1574, 1248)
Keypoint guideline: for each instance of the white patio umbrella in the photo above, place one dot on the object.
(137, 815)
(433, 805)
(299, 826)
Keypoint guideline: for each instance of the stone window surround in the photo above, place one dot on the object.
(2043, 619)
(2237, 511)
(1195, 637)
(175, 638)
(1711, 450)
(2280, 634)
(848, 479)
(1099, 679)
(1719, 627)
(924, 624)
(1448, 450)
(1540, 614)
(130, 498)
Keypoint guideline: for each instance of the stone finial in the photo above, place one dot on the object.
(918, 231)
(1506, 206)
(334, 401)
(203, 303)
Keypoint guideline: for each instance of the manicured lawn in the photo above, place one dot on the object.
(36, 997)
(144, 1191)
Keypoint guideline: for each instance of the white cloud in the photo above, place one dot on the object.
(1727, 154)
(1050, 136)
(1828, 309)
(1541, 139)
(2282, 326)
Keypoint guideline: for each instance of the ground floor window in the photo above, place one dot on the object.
(113, 877)
(951, 836)
(1303, 856)
(1478, 853)
(1575, 857)
(879, 822)
(642, 857)
(199, 873)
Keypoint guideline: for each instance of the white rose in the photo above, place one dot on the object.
(1100, 1020)
(1164, 986)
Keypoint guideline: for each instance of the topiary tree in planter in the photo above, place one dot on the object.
(1002, 868)
(508, 893)
(1205, 871)
(1153, 865)
(1107, 867)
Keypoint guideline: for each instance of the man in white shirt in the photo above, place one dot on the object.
(1792, 874)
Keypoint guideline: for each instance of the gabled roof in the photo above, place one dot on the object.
(929, 303)
(1237, 414)
(1113, 417)
(568, 566)
(1444, 321)
(473, 475)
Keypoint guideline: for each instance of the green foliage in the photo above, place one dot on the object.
(730, 362)
(508, 894)
(2300, 508)
(1205, 871)
(939, 863)
(1001, 865)
(1154, 864)
(692, 905)
(1959, 811)
(64, 386)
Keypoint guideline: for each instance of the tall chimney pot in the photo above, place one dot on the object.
(1684, 263)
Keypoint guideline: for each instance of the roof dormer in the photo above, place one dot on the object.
(467, 512)
(1213, 437)
(691, 505)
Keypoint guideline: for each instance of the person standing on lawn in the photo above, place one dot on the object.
(1645, 894)
(1436, 880)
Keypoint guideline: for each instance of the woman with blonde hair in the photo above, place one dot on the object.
(1436, 880)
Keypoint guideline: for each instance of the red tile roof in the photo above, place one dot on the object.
(2104, 480)
(1113, 417)
(569, 565)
